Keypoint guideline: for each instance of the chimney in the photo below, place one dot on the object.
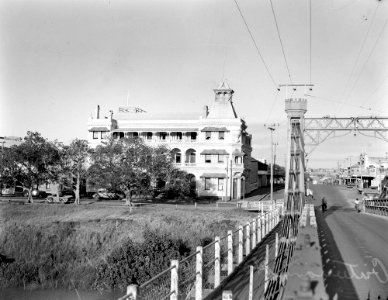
(98, 112)
(205, 111)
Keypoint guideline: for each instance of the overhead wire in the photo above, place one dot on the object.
(360, 51)
(273, 105)
(255, 44)
(369, 56)
(280, 40)
(310, 39)
(343, 103)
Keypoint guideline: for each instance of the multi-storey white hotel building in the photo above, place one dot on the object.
(214, 147)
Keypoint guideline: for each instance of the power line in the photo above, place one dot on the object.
(369, 56)
(280, 39)
(254, 42)
(362, 48)
(310, 38)
(343, 103)
(273, 105)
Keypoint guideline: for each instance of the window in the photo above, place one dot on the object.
(103, 134)
(179, 135)
(238, 160)
(221, 158)
(221, 135)
(178, 157)
(149, 135)
(220, 184)
(163, 135)
(95, 135)
(207, 184)
(208, 135)
(208, 158)
(190, 156)
(193, 135)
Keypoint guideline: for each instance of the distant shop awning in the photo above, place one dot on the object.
(214, 129)
(99, 129)
(213, 175)
(214, 152)
(238, 153)
(180, 129)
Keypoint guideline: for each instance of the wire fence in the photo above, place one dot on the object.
(209, 265)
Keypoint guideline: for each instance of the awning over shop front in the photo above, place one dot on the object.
(214, 152)
(214, 129)
(213, 175)
(181, 129)
(99, 129)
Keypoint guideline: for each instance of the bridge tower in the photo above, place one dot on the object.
(295, 167)
(294, 196)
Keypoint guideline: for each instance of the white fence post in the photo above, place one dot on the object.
(132, 290)
(198, 275)
(247, 239)
(250, 295)
(276, 244)
(253, 234)
(230, 252)
(227, 295)
(174, 280)
(240, 244)
(265, 268)
(217, 262)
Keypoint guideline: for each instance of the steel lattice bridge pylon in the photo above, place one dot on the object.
(318, 130)
(294, 202)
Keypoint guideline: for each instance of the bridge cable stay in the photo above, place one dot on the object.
(294, 205)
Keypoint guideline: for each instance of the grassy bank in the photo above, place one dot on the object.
(91, 246)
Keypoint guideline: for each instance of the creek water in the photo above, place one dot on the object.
(57, 294)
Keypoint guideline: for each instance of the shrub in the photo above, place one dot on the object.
(135, 263)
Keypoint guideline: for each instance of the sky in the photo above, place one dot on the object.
(60, 59)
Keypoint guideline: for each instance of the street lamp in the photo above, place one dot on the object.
(272, 128)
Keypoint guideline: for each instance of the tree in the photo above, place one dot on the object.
(74, 160)
(178, 184)
(33, 162)
(130, 165)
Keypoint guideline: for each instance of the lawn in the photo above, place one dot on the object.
(69, 245)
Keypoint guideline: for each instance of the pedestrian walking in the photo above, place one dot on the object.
(324, 204)
(357, 205)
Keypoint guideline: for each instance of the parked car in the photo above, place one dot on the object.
(14, 191)
(104, 194)
(55, 198)
(36, 193)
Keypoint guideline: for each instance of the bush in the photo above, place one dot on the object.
(135, 263)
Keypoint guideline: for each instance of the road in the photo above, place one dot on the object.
(354, 246)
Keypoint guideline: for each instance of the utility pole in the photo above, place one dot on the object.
(272, 128)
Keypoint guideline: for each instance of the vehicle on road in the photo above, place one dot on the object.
(14, 191)
(55, 198)
(104, 194)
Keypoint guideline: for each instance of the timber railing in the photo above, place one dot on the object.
(376, 206)
(201, 272)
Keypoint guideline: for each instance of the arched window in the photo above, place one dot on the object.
(176, 154)
(190, 156)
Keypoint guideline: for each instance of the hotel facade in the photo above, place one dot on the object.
(215, 147)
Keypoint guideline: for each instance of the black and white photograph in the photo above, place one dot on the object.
(193, 150)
